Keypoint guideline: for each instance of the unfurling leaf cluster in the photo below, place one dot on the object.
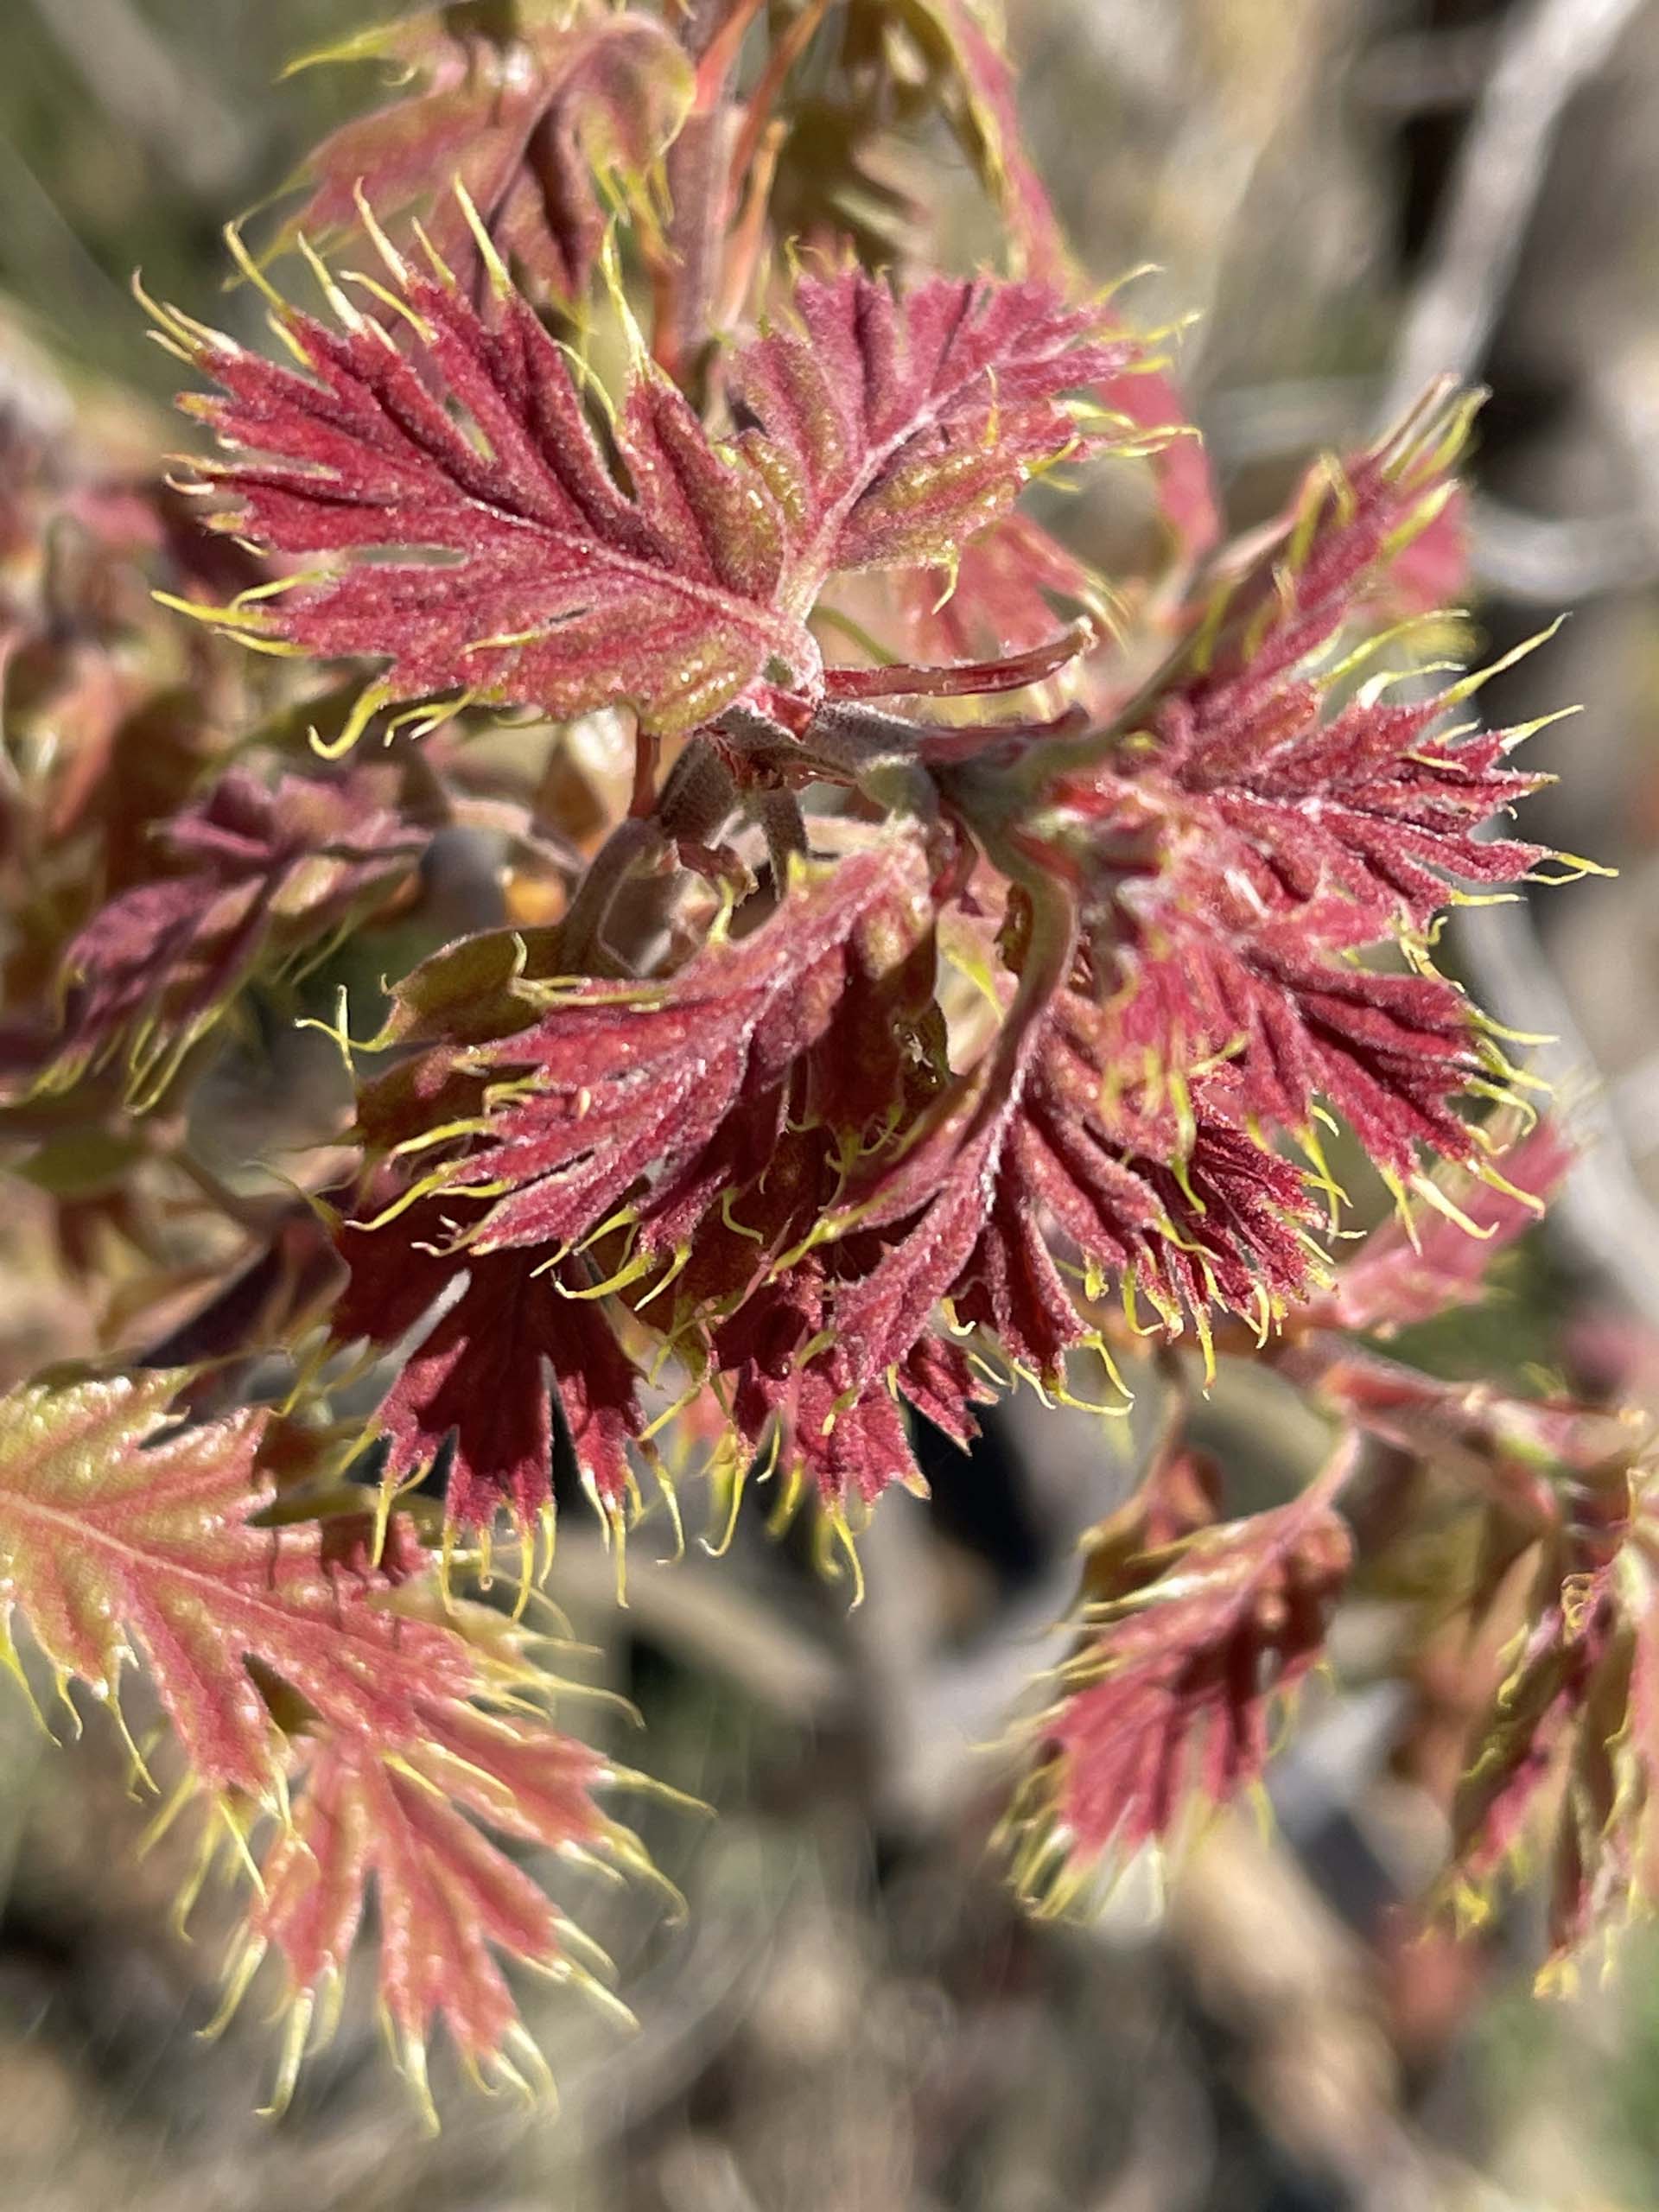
(810, 955)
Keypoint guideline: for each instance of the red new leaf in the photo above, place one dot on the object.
(901, 425)
(120, 1536)
(1052, 1143)
(1298, 1019)
(666, 1095)
(476, 538)
(1240, 757)
(524, 571)
(704, 1111)
(1371, 804)
(375, 1729)
(1253, 839)
(483, 1375)
(451, 1900)
(1162, 1713)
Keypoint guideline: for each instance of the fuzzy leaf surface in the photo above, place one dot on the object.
(704, 1112)
(682, 1084)
(429, 1834)
(1044, 1144)
(474, 536)
(122, 1533)
(485, 1370)
(1372, 803)
(1261, 830)
(1300, 1018)
(900, 425)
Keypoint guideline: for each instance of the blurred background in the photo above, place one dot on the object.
(1353, 195)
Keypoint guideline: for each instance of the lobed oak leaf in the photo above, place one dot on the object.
(902, 425)
(474, 537)
(1287, 594)
(1046, 1144)
(681, 1087)
(1237, 755)
(1288, 1007)
(1246, 852)
(428, 1830)
(535, 121)
(123, 1534)
(705, 1112)
(1161, 1714)
(384, 1736)
(1375, 803)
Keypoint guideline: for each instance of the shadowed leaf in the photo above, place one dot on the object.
(534, 122)
(259, 875)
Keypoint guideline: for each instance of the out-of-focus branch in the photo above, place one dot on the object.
(1548, 560)
(1425, 73)
(712, 1623)
(1552, 48)
(1315, 2062)
(936, 1710)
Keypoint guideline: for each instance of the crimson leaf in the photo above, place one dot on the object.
(705, 1112)
(1050, 1137)
(1162, 1712)
(526, 571)
(684, 1082)
(478, 1373)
